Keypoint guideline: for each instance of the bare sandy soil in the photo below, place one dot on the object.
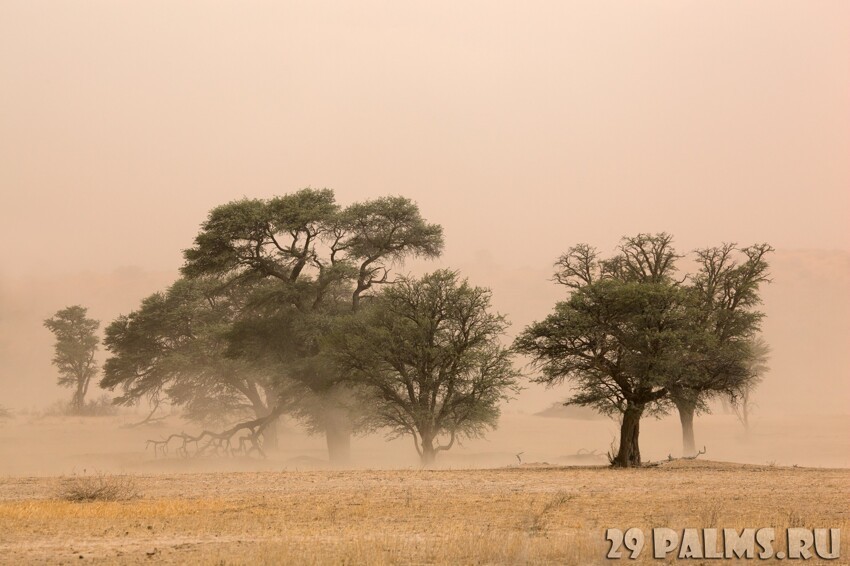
(479, 508)
(525, 514)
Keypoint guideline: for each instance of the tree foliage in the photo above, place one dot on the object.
(173, 348)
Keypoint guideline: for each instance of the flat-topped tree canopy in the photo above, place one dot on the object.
(306, 235)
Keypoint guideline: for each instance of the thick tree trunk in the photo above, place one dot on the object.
(686, 417)
(628, 454)
(269, 434)
(338, 435)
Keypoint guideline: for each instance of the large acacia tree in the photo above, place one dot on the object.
(632, 335)
(426, 353)
(316, 260)
(74, 350)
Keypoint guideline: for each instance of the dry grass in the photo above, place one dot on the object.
(526, 515)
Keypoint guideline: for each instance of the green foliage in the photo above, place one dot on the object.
(174, 346)
(284, 237)
(426, 351)
(316, 262)
(621, 333)
(630, 331)
(74, 350)
(724, 297)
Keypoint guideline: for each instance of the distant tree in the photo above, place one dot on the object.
(74, 350)
(5, 413)
(741, 399)
(426, 351)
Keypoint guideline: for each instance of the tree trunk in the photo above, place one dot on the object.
(78, 401)
(628, 454)
(429, 453)
(270, 437)
(686, 417)
(269, 434)
(338, 435)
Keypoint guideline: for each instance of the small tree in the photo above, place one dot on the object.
(76, 344)
(426, 351)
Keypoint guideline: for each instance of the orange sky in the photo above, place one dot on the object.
(522, 128)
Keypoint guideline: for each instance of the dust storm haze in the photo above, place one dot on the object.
(521, 131)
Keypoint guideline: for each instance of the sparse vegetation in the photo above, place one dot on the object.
(100, 407)
(98, 487)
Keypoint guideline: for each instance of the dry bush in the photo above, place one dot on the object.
(98, 487)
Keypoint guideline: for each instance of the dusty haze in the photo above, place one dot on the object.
(522, 131)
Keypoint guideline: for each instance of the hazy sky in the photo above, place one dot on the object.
(521, 127)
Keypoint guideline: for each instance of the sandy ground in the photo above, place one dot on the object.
(524, 514)
(480, 507)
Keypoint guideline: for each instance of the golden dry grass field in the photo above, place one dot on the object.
(516, 515)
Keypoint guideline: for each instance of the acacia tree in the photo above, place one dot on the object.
(426, 353)
(74, 350)
(724, 299)
(311, 253)
(619, 335)
(633, 338)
